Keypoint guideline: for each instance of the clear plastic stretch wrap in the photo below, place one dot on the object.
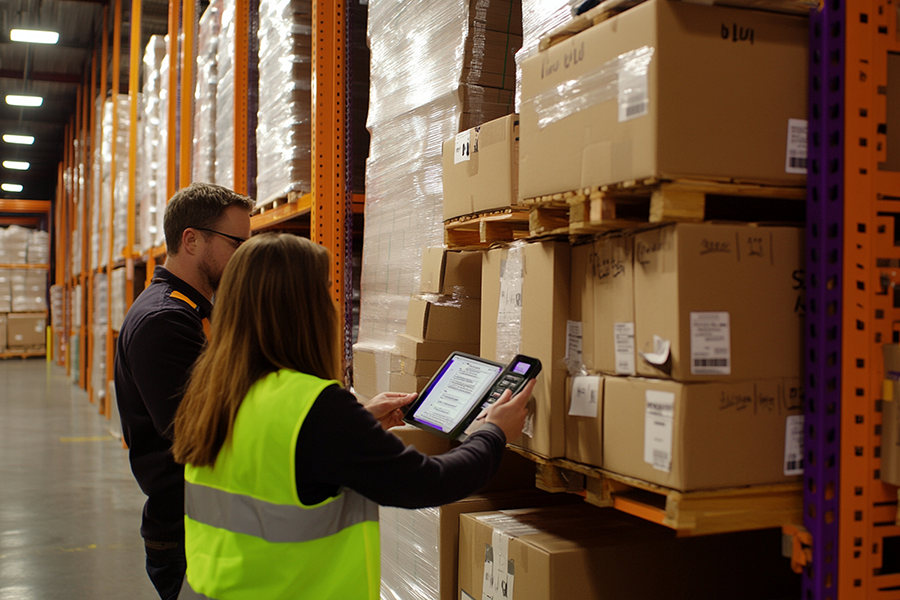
(539, 17)
(117, 298)
(5, 293)
(225, 97)
(162, 148)
(56, 307)
(115, 199)
(14, 245)
(205, 94)
(410, 553)
(283, 131)
(436, 68)
(96, 184)
(38, 248)
(29, 290)
(100, 320)
(152, 181)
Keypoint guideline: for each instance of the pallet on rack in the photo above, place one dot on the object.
(278, 201)
(688, 513)
(484, 229)
(548, 215)
(33, 352)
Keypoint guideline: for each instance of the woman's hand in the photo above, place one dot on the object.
(386, 408)
(508, 412)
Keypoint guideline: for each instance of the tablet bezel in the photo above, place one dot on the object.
(423, 395)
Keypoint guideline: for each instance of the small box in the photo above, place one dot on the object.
(581, 551)
(525, 307)
(890, 416)
(696, 436)
(451, 273)
(26, 330)
(602, 305)
(667, 90)
(584, 419)
(719, 302)
(444, 319)
(481, 168)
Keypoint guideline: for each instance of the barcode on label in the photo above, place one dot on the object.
(660, 457)
(636, 109)
(794, 465)
(797, 162)
(710, 362)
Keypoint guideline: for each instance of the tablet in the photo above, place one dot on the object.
(446, 405)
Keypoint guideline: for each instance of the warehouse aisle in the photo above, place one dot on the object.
(69, 507)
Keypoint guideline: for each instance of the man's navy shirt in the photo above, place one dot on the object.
(159, 341)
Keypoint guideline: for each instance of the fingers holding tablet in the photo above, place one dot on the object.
(508, 412)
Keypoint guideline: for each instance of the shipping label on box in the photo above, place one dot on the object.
(664, 90)
(584, 420)
(719, 302)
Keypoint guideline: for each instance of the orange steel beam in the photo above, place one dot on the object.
(26, 206)
(22, 221)
(133, 91)
(172, 183)
(189, 31)
(327, 221)
(241, 93)
(87, 279)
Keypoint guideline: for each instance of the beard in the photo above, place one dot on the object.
(212, 274)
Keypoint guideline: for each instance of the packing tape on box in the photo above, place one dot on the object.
(623, 78)
(499, 569)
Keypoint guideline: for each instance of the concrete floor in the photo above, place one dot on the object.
(70, 510)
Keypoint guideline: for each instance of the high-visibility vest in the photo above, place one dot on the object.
(248, 536)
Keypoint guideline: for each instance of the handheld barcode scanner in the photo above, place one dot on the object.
(463, 387)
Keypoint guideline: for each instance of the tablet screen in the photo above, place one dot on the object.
(457, 388)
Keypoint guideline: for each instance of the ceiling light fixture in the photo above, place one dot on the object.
(15, 100)
(16, 165)
(10, 138)
(11, 187)
(33, 36)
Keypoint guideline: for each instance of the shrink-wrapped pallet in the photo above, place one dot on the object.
(98, 352)
(165, 95)
(153, 152)
(539, 17)
(14, 245)
(38, 248)
(283, 133)
(5, 290)
(225, 97)
(117, 298)
(96, 185)
(204, 158)
(29, 290)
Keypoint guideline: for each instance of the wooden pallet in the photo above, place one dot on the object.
(632, 204)
(273, 203)
(688, 513)
(40, 351)
(484, 229)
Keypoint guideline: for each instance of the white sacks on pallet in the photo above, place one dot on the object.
(151, 188)
(204, 159)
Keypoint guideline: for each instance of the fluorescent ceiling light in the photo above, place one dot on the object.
(16, 165)
(15, 100)
(33, 36)
(10, 138)
(11, 187)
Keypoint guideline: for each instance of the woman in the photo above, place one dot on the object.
(283, 468)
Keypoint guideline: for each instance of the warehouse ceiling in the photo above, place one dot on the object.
(55, 72)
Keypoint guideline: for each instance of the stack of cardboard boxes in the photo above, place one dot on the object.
(23, 289)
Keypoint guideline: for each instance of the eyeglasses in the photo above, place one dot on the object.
(233, 238)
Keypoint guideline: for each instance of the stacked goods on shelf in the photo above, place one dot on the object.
(524, 310)
(3, 327)
(425, 87)
(26, 332)
(639, 96)
(57, 318)
(97, 186)
(166, 94)
(6, 290)
(38, 251)
(14, 245)
(117, 298)
(224, 153)
(204, 157)
(29, 290)
(560, 552)
(284, 131)
(152, 186)
(890, 427)
(116, 176)
(480, 168)
(98, 344)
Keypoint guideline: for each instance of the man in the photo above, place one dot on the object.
(161, 337)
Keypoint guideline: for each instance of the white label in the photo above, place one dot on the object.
(634, 99)
(623, 341)
(585, 396)
(710, 343)
(660, 354)
(795, 157)
(487, 585)
(462, 147)
(659, 414)
(793, 445)
(574, 342)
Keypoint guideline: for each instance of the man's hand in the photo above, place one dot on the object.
(386, 408)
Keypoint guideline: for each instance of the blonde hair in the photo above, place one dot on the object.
(273, 311)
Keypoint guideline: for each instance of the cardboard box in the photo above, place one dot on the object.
(715, 102)
(412, 366)
(580, 551)
(480, 168)
(584, 419)
(451, 272)
(890, 416)
(417, 349)
(420, 548)
(728, 299)
(5, 292)
(407, 382)
(24, 330)
(2, 332)
(703, 435)
(444, 319)
(525, 306)
(602, 305)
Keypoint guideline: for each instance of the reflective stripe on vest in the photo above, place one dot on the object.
(275, 523)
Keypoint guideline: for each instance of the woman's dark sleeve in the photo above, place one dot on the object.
(342, 444)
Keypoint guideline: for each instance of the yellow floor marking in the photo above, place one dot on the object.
(90, 438)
